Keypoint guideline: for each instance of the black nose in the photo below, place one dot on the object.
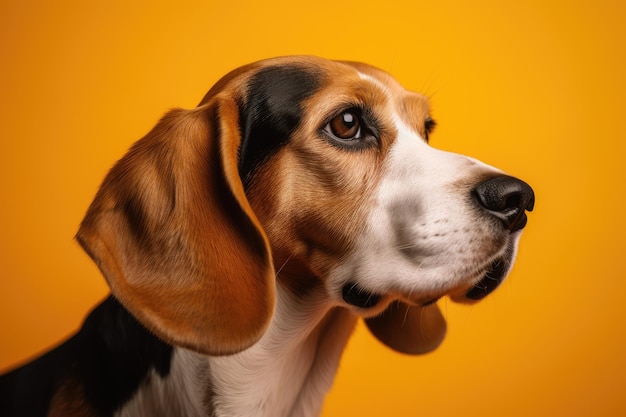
(506, 198)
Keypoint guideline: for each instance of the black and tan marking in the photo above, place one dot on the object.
(270, 182)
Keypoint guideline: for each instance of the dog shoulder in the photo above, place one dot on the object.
(93, 373)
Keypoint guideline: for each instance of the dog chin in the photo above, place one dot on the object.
(366, 303)
(367, 297)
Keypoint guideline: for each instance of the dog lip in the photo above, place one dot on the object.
(490, 281)
(430, 302)
(355, 295)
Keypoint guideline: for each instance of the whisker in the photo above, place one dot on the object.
(421, 322)
(283, 265)
(406, 315)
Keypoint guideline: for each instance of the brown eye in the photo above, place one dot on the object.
(346, 126)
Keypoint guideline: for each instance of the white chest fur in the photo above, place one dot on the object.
(286, 374)
(181, 393)
(290, 370)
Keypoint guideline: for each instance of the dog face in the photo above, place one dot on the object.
(313, 174)
(358, 196)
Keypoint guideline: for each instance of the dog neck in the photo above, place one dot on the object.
(286, 373)
(289, 371)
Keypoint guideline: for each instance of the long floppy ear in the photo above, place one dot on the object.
(412, 330)
(175, 237)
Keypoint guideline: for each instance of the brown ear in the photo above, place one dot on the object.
(175, 237)
(412, 330)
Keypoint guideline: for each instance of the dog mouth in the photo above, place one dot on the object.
(489, 282)
(358, 296)
(355, 295)
(496, 272)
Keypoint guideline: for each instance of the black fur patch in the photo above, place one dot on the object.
(271, 111)
(110, 356)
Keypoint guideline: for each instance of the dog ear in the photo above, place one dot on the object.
(175, 237)
(407, 329)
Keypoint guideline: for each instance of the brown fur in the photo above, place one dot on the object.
(192, 255)
(153, 225)
(69, 401)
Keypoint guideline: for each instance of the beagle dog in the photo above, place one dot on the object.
(243, 239)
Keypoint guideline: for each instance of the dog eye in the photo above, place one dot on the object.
(345, 126)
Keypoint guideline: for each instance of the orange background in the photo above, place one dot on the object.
(534, 87)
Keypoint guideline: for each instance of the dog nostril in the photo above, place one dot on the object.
(506, 198)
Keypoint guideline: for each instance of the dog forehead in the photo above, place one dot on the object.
(375, 86)
(279, 95)
(271, 107)
(284, 85)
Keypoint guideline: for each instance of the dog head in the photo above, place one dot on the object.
(311, 174)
